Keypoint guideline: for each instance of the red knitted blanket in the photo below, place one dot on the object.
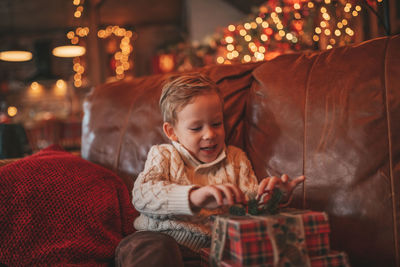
(59, 209)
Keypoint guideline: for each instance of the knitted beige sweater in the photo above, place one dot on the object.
(161, 191)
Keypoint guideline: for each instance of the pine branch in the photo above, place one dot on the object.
(253, 207)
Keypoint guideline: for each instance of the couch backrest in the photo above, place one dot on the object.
(333, 116)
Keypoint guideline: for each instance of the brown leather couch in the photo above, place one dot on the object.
(333, 116)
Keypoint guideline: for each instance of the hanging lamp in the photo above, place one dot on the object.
(69, 51)
(14, 55)
(14, 52)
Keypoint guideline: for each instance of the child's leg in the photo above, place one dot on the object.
(146, 248)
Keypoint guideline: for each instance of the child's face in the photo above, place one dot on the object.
(200, 127)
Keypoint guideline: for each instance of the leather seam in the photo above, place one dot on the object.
(390, 148)
(305, 126)
(123, 131)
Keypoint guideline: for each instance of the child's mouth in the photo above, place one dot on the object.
(209, 149)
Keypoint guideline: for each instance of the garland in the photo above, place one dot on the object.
(253, 207)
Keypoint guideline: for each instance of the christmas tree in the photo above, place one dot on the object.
(284, 26)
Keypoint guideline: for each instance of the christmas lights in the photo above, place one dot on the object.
(120, 58)
(283, 26)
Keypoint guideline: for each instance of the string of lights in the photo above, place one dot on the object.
(281, 26)
(121, 56)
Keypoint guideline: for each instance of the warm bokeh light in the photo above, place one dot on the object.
(70, 35)
(35, 89)
(166, 64)
(35, 85)
(247, 58)
(78, 83)
(121, 56)
(61, 83)
(327, 32)
(229, 39)
(69, 51)
(264, 37)
(15, 56)
(125, 46)
(220, 60)
(12, 111)
(60, 88)
(231, 28)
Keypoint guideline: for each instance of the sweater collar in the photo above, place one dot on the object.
(192, 161)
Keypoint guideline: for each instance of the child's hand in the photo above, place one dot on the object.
(214, 196)
(268, 184)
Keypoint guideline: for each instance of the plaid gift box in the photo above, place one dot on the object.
(332, 259)
(247, 239)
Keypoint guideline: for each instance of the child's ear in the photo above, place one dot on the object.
(169, 131)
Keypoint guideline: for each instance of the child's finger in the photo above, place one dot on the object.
(298, 180)
(261, 187)
(227, 194)
(239, 196)
(285, 178)
(271, 185)
(267, 185)
(216, 193)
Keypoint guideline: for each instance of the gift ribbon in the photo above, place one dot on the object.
(286, 234)
(218, 238)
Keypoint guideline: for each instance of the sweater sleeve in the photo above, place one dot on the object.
(247, 180)
(154, 194)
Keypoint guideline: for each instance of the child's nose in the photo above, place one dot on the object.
(209, 133)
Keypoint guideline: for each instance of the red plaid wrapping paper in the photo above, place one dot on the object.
(333, 259)
(316, 230)
(248, 243)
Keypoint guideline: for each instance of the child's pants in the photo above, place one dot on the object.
(147, 248)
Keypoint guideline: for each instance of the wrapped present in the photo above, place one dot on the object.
(332, 259)
(290, 237)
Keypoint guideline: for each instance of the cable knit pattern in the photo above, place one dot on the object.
(58, 209)
(161, 191)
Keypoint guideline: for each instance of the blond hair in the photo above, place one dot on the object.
(179, 91)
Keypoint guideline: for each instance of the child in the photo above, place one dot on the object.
(185, 182)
